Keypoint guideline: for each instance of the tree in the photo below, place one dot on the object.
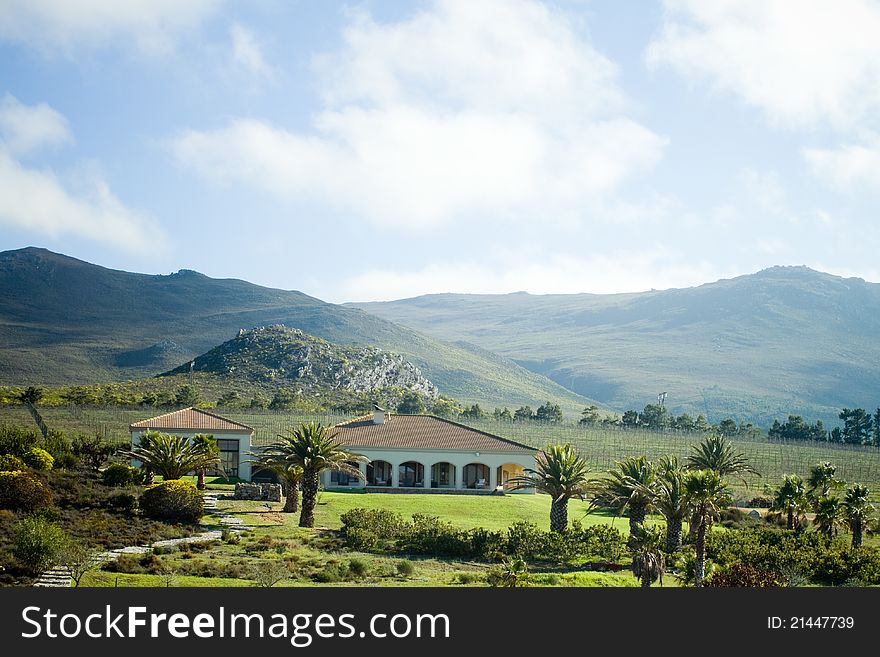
(829, 515)
(172, 457)
(630, 486)
(589, 416)
(37, 544)
(857, 510)
(312, 447)
(654, 416)
(30, 397)
(268, 573)
(727, 427)
(502, 414)
(706, 495)
(561, 473)
(668, 498)
(857, 426)
(684, 422)
(206, 443)
(474, 412)
(630, 419)
(411, 403)
(646, 550)
(549, 413)
(94, 451)
(523, 413)
(445, 407)
(229, 399)
(822, 480)
(78, 558)
(187, 396)
(791, 498)
(284, 463)
(876, 422)
(716, 454)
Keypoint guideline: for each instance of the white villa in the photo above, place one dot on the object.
(233, 439)
(420, 452)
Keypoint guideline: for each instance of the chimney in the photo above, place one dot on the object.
(378, 415)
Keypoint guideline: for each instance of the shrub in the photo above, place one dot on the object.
(743, 575)
(10, 463)
(331, 573)
(23, 491)
(760, 502)
(118, 474)
(37, 544)
(38, 459)
(173, 500)
(405, 568)
(367, 529)
(358, 568)
(512, 573)
(469, 578)
(125, 502)
(49, 513)
(15, 440)
(94, 451)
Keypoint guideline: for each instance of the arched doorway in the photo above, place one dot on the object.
(507, 472)
(411, 474)
(475, 475)
(443, 475)
(379, 473)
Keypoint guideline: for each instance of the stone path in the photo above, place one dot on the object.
(59, 577)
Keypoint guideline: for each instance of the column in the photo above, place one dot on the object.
(395, 474)
(493, 477)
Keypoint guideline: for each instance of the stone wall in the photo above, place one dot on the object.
(259, 492)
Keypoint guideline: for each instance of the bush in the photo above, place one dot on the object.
(405, 568)
(743, 575)
(10, 463)
(37, 544)
(118, 474)
(94, 451)
(49, 513)
(125, 502)
(371, 529)
(173, 500)
(358, 568)
(38, 459)
(331, 573)
(512, 573)
(23, 491)
(15, 440)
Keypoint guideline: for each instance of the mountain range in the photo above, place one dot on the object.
(65, 321)
(756, 347)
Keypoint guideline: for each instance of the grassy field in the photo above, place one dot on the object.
(601, 446)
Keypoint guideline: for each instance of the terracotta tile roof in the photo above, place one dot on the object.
(422, 432)
(190, 418)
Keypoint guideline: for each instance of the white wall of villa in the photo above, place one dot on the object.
(227, 440)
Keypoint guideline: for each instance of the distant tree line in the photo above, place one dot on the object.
(859, 428)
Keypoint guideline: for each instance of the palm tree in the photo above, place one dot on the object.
(706, 494)
(285, 466)
(562, 474)
(791, 498)
(313, 448)
(822, 481)
(716, 454)
(857, 511)
(668, 498)
(207, 444)
(829, 515)
(171, 456)
(646, 549)
(30, 397)
(630, 486)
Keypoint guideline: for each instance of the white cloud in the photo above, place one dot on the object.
(247, 53)
(24, 128)
(492, 110)
(48, 25)
(848, 167)
(802, 63)
(38, 201)
(625, 271)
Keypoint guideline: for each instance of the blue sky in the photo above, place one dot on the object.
(377, 150)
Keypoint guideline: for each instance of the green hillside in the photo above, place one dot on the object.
(787, 339)
(65, 321)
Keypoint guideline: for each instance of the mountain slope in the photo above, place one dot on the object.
(65, 321)
(784, 339)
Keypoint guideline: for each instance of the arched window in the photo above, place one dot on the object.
(443, 475)
(475, 475)
(379, 473)
(411, 474)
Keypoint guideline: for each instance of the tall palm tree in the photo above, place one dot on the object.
(718, 455)
(562, 474)
(206, 443)
(628, 487)
(707, 495)
(822, 480)
(648, 561)
(857, 511)
(829, 515)
(791, 498)
(288, 470)
(171, 456)
(668, 498)
(313, 448)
